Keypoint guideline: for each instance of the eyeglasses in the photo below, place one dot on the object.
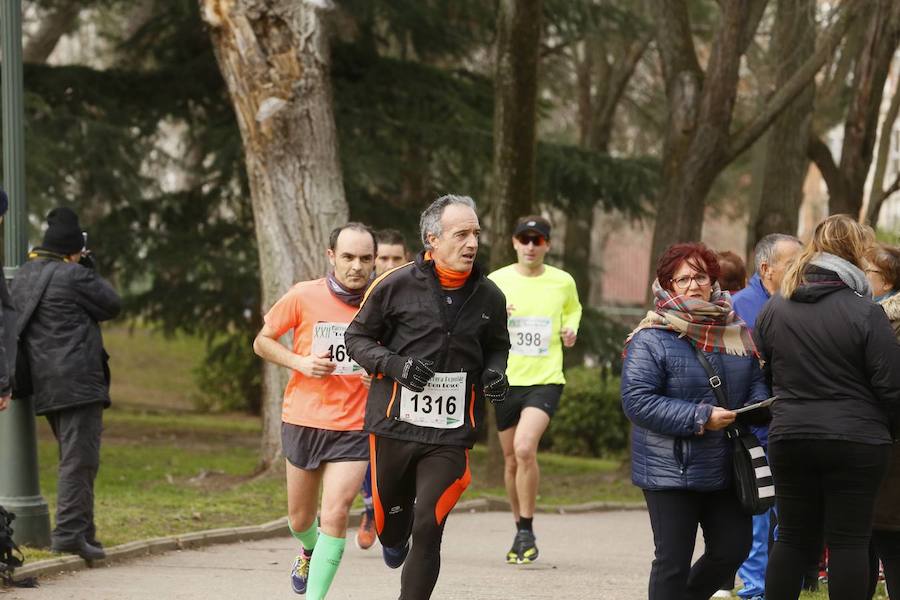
(684, 282)
(537, 240)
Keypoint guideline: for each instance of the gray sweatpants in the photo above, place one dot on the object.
(78, 432)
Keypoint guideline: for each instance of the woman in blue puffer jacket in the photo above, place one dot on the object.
(680, 455)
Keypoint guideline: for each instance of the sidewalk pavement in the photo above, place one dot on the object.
(583, 556)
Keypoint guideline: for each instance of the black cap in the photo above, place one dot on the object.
(540, 227)
(63, 234)
(4, 202)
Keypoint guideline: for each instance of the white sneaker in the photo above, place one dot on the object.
(722, 594)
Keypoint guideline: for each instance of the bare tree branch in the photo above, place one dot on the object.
(877, 196)
(615, 88)
(754, 15)
(53, 26)
(744, 138)
(676, 42)
(820, 153)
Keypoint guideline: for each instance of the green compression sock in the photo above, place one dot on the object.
(307, 538)
(324, 565)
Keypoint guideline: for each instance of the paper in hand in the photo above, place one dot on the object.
(750, 407)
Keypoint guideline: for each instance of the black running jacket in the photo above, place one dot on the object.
(404, 314)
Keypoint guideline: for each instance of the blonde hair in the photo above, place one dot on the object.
(840, 235)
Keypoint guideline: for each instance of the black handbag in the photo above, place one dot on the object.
(752, 476)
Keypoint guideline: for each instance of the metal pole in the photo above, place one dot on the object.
(20, 490)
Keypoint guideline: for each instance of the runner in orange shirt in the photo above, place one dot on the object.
(324, 404)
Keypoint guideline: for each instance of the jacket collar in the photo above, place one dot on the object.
(820, 282)
(426, 268)
(757, 284)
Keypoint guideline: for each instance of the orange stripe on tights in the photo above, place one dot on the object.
(450, 496)
(376, 501)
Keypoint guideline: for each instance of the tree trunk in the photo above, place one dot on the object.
(878, 194)
(698, 143)
(274, 57)
(786, 161)
(700, 112)
(881, 40)
(515, 103)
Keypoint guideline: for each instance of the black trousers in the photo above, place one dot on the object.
(414, 487)
(886, 548)
(78, 432)
(674, 517)
(824, 489)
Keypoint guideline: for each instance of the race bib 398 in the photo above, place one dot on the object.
(530, 336)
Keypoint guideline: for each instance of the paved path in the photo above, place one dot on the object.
(586, 556)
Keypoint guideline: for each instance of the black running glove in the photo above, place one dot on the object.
(87, 260)
(411, 373)
(495, 385)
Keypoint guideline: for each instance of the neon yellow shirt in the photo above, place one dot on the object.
(543, 306)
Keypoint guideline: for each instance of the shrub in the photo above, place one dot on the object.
(230, 376)
(590, 421)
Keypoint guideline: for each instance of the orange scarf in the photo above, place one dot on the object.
(448, 278)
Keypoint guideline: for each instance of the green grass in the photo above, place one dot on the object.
(165, 473)
(822, 594)
(150, 369)
(565, 480)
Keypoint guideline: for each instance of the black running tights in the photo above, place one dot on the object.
(414, 486)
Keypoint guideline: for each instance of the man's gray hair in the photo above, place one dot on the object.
(765, 248)
(430, 222)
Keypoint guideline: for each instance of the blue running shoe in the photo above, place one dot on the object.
(394, 557)
(300, 571)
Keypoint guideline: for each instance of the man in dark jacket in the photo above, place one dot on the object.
(61, 300)
(772, 255)
(434, 334)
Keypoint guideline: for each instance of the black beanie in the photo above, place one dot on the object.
(63, 234)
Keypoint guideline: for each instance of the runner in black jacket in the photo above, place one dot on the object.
(433, 332)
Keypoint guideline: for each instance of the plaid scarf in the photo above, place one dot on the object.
(711, 326)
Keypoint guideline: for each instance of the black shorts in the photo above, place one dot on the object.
(307, 447)
(545, 397)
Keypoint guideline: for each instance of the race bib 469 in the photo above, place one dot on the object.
(329, 337)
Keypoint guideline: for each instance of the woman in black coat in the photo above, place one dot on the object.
(833, 360)
(883, 273)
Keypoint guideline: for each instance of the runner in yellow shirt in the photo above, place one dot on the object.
(544, 313)
(324, 404)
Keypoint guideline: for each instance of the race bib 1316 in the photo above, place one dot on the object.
(441, 404)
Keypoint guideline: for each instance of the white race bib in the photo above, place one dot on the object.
(530, 336)
(442, 404)
(329, 337)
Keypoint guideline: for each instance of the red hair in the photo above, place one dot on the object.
(732, 272)
(690, 252)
